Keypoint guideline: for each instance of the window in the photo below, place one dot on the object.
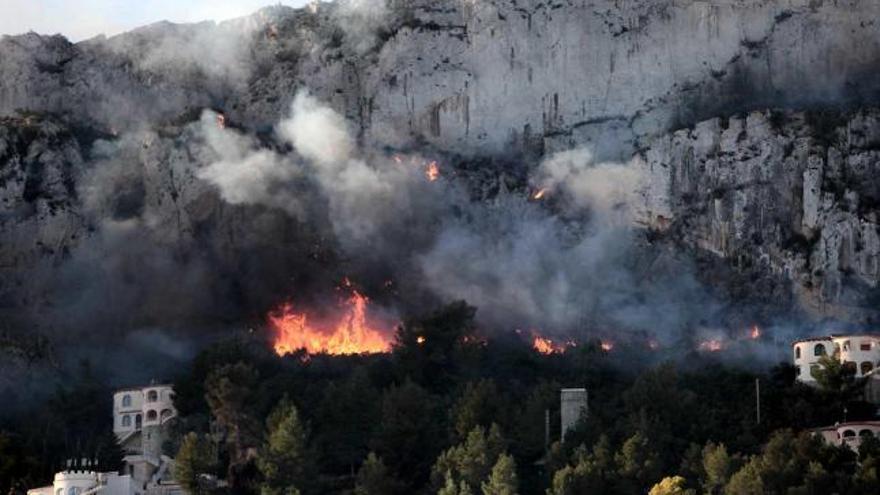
(867, 367)
(797, 352)
(845, 346)
(137, 422)
(866, 433)
(126, 400)
(73, 491)
(152, 396)
(819, 350)
(151, 415)
(166, 413)
(126, 420)
(848, 433)
(851, 366)
(865, 346)
(797, 370)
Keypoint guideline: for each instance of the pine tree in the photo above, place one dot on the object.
(284, 459)
(472, 460)
(195, 457)
(373, 478)
(503, 480)
(671, 485)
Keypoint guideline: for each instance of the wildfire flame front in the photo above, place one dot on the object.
(352, 334)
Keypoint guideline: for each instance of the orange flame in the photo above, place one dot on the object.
(755, 334)
(351, 335)
(545, 345)
(711, 345)
(432, 171)
(540, 193)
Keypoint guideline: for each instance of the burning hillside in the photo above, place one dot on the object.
(350, 332)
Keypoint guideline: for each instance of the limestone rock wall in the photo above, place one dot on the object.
(487, 77)
(792, 195)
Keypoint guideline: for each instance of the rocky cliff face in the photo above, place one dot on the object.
(475, 77)
(791, 195)
(98, 145)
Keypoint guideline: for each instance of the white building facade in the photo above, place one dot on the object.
(136, 408)
(849, 434)
(859, 351)
(85, 482)
(142, 420)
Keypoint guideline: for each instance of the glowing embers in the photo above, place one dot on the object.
(755, 333)
(432, 171)
(539, 194)
(546, 345)
(711, 345)
(351, 333)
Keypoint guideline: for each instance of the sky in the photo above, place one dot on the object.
(83, 19)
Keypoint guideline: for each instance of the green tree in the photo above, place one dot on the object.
(230, 393)
(285, 461)
(746, 481)
(671, 485)
(450, 487)
(471, 461)
(430, 349)
(638, 463)
(503, 480)
(480, 404)
(718, 466)
(349, 413)
(837, 377)
(408, 432)
(373, 478)
(196, 456)
(591, 472)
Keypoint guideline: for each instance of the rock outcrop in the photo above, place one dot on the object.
(482, 77)
(778, 194)
(781, 195)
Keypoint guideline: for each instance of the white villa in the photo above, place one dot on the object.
(860, 351)
(141, 421)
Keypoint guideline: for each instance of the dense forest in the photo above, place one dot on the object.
(453, 412)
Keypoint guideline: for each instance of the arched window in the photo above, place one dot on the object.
(126, 400)
(797, 370)
(166, 413)
(137, 421)
(867, 367)
(819, 350)
(848, 433)
(126, 420)
(151, 415)
(797, 352)
(73, 491)
(152, 396)
(846, 346)
(866, 433)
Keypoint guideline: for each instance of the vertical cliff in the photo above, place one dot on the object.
(778, 194)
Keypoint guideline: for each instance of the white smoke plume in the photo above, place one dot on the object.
(362, 21)
(219, 51)
(511, 257)
(247, 174)
(608, 189)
